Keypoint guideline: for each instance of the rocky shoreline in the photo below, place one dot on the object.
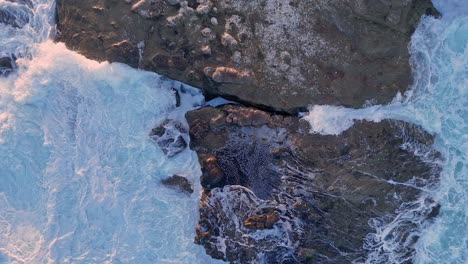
(272, 191)
(279, 55)
(275, 193)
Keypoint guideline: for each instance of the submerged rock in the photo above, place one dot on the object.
(275, 54)
(6, 66)
(169, 137)
(178, 182)
(279, 194)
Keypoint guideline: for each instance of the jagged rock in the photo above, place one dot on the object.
(228, 41)
(212, 174)
(277, 184)
(227, 75)
(222, 232)
(177, 96)
(179, 182)
(123, 49)
(206, 50)
(169, 137)
(264, 221)
(294, 53)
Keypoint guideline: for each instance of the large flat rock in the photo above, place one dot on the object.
(275, 193)
(281, 55)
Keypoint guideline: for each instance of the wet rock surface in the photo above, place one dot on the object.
(278, 55)
(178, 182)
(7, 65)
(169, 137)
(275, 193)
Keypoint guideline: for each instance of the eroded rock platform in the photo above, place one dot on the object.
(274, 192)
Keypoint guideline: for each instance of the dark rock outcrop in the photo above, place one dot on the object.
(275, 193)
(7, 65)
(280, 55)
(169, 137)
(179, 182)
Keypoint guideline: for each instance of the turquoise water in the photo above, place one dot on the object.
(80, 176)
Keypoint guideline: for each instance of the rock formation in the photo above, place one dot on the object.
(169, 137)
(272, 191)
(280, 55)
(276, 193)
(178, 182)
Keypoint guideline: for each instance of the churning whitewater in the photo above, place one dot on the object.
(80, 177)
(438, 101)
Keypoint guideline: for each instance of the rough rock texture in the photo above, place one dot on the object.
(281, 55)
(169, 137)
(179, 182)
(275, 193)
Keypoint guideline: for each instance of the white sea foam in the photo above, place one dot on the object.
(80, 176)
(36, 25)
(437, 101)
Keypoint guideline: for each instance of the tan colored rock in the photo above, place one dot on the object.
(265, 221)
(228, 41)
(178, 182)
(229, 75)
(206, 50)
(212, 174)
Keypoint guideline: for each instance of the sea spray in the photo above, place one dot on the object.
(437, 101)
(80, 177)
(80, 174)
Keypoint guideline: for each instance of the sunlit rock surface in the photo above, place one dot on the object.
(275, 54)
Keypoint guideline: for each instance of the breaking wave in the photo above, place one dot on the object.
(438, 101)
(80, 176)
